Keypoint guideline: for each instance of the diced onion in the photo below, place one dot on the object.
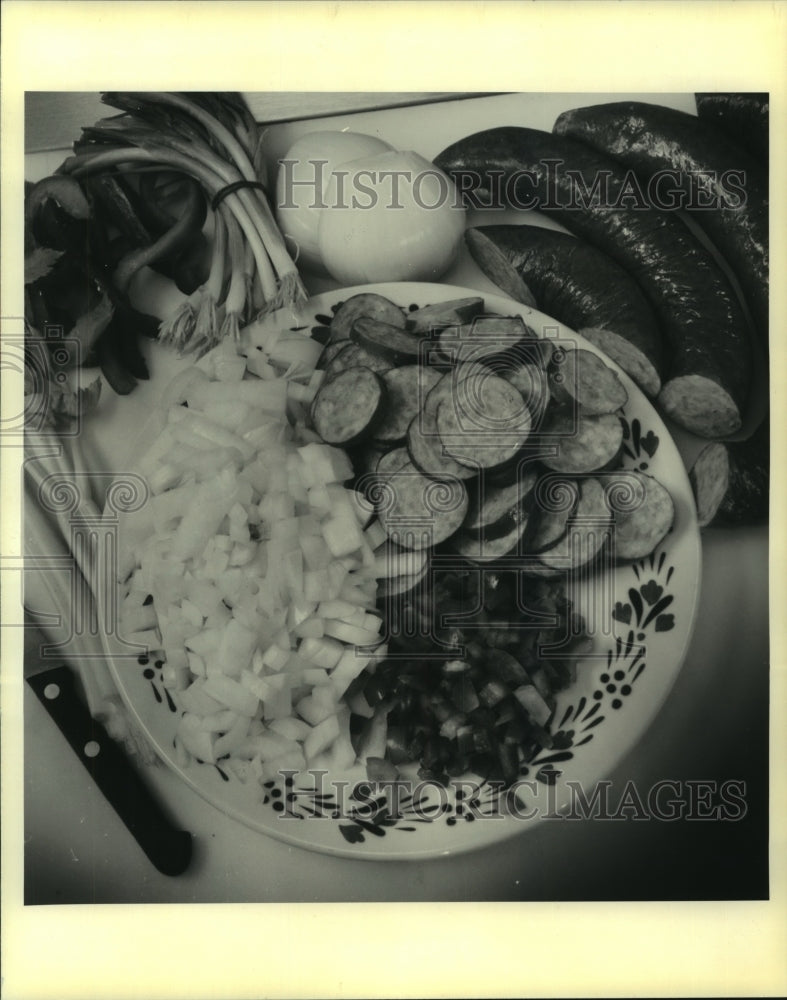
(260, 565)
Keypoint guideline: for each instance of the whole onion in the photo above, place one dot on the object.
(392, 216)
(303, 174)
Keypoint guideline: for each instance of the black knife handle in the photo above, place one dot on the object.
(168, 849)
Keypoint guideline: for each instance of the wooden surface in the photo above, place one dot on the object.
(53, 120)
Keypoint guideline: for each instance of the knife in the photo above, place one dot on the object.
(169, 849)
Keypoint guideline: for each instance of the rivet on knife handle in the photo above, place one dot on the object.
(168, 849)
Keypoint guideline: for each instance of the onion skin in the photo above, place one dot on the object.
(380, 229)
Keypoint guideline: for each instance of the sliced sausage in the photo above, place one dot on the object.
(487, 339)
(587, 532)
(643, 511)
(351, 355)
(423, 441)
(392, 461)
(731, 481)
(484, 423)
(365, 304)
(554, 500)
(581, 377)
(479, 548)
(428, 319)
(495, 510)
(581, 442)
(386, 341)
(532, 383)
(329, 352)
(580, 286)
(418, 512)
(407, 388)
(346, 408)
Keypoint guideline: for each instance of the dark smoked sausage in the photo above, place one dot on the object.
(707, 174)
(744, 117)
(593, 196)
(578, 285)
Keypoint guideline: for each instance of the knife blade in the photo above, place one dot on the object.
(168, 849)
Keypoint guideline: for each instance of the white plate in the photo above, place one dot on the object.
(646, 613)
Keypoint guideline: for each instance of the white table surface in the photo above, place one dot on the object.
(713, 726)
